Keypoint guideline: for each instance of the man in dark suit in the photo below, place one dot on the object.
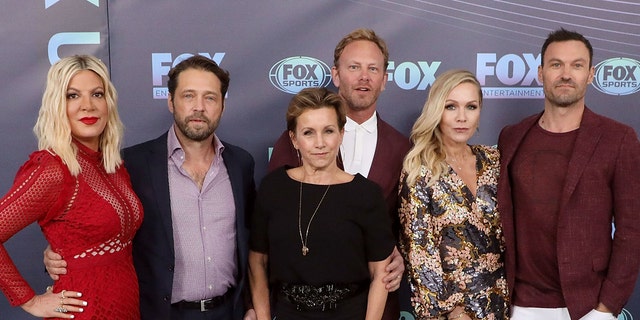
(370, 146)
(191, 251)
(566, 175)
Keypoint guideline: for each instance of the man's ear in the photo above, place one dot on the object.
(170, 103)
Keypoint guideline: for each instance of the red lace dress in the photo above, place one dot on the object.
(89, 219)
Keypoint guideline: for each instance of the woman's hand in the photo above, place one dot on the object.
(55, 305)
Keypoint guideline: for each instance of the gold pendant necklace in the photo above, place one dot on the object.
(304, 241)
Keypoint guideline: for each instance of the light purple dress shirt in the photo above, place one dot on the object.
(204, 230)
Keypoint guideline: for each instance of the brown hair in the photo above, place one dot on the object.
(199, 63)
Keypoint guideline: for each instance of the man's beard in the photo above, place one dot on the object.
(356, 103)
(565, 99)
(200, 134)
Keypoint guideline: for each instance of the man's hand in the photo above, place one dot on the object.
(54, 264)
(396, 270)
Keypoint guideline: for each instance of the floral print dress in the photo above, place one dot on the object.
(453, 242)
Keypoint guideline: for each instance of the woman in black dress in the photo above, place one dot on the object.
(323, 235)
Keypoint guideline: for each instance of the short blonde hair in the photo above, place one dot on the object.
(53, 129)
(361, 34)
(428, 148)
(312, 99)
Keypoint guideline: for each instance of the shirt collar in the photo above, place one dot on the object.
(370, 125)
(173, 144)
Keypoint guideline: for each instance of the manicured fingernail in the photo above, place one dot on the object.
(72, 316)
(79, 294)
(84, 303)
(80, 309)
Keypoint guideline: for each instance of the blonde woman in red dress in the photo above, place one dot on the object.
(77, 189)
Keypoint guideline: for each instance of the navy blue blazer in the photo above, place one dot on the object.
(153, 250)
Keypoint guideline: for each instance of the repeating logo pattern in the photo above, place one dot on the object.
(293, 74)
(617, 76)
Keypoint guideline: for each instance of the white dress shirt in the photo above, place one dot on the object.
(359, 145)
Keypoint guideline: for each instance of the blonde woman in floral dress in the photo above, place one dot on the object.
(451, 235)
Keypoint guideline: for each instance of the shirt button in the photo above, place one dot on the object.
(208, 259)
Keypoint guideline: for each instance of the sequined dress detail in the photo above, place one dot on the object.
(89, 219)
(453, 242)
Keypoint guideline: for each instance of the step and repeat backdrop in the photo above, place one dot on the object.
(274, 48)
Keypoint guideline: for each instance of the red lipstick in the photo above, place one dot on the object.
(89, 120)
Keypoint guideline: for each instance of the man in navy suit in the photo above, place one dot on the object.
(197, 191)
(566, 174)
(370, 146)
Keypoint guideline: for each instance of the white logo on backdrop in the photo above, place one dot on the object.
(293, 74)
(513, 74)
(49, 3)
(410, 75)
(162, 62)
(69, 38)
(625, 315)
(617, 76)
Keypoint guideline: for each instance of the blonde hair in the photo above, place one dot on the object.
(357, 35)
(428, 148)
(311, 99)
(52, 128)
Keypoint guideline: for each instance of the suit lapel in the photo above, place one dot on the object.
(158, 164)
(237, 187)
(509, 151)
(588, 136)
(377, 172)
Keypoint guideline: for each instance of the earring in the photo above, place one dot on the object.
(299, 158)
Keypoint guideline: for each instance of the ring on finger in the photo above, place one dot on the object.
(61, 309)
(49, 288)
(62, 294)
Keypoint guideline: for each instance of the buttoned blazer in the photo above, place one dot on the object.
(601, 184)
(391, 148)
(153, 246)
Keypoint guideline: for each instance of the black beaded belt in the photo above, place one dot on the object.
(320, 298)
(206, 304)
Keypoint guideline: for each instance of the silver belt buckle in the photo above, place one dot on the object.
(203, 308)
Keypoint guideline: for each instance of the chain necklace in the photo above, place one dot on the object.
(455, 163)
(304, 240)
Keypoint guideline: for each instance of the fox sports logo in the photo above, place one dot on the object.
(625, 315)
(617, 76)
(293, 74)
